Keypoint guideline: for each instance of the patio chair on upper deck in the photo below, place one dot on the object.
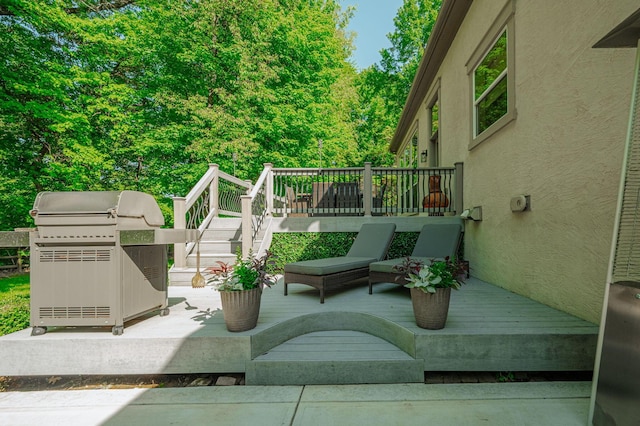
(378, 199)
(323, 199)
(371, 245)
(348, 198)
(298, 205)
(435, 242)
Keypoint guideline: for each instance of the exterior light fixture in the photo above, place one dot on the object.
(423, 156)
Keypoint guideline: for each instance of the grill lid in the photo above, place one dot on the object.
(113, 204)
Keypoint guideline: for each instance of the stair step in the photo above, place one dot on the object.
(226, 223)
(182, 276)
(221, 234)
(334, 357)
(219, 243)
(210, 259)
(228, 246)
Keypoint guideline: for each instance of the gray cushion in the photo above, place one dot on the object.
(438, 240)
(373, 240)
(330, 265)
(387, 265)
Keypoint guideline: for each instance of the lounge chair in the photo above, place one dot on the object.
(436, 241)
(371, 245)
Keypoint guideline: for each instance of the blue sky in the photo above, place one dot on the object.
(372, 21)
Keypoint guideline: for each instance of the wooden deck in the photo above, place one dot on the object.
(489, 329)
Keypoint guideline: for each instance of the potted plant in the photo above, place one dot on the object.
(240, 286)
(431, 289)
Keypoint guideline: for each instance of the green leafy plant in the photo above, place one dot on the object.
(439, 274)
(244, 274)
(505, 376)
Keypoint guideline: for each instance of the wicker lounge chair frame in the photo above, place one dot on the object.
(371, 245)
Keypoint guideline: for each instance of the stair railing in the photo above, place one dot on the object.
(215, 193)
(256, 207)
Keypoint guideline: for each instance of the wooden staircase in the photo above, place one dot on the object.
(219, 243)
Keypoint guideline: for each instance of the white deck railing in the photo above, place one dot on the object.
(309, 192)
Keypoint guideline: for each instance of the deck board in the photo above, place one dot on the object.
(488, 329)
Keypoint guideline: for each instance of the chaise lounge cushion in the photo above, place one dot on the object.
(435, 242)
(330, 265)
(388, 265)
(373, 240)
(438, 241)
(371, 245)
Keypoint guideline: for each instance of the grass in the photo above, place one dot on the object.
(14, 303)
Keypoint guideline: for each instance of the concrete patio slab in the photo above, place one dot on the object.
(562, 404)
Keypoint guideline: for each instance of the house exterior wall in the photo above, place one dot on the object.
(564, 149)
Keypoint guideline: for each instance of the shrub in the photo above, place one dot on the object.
(14, 313)
(14, 303)
(290, 247)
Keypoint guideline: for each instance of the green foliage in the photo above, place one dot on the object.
(244, 274)
(143, 94)
(383, 87)
(14, 304)
(428, 278)
(505, 376)
(14, 313)
(402, 244)
(491, 105)
(295, 246)
(15, 283)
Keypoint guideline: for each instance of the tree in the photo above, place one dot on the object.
(115, 94)
(383, 88)
(59, 98)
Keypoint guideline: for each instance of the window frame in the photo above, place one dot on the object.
(503, 23)
(409, 157)
(433, 141)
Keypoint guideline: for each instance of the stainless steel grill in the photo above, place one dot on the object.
(97, 259)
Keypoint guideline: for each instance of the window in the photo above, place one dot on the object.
(490, 86)
(433, 151)
(434, 119)
(409, 153)
(430, 152)
(414, 151)
(492, 77)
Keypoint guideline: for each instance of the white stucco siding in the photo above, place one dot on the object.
(564, 150)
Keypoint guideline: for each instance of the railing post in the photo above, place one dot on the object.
(367, 197)
(214, 193)
(247, 234)
(269, 189)
(179, 222)
(458, 200)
